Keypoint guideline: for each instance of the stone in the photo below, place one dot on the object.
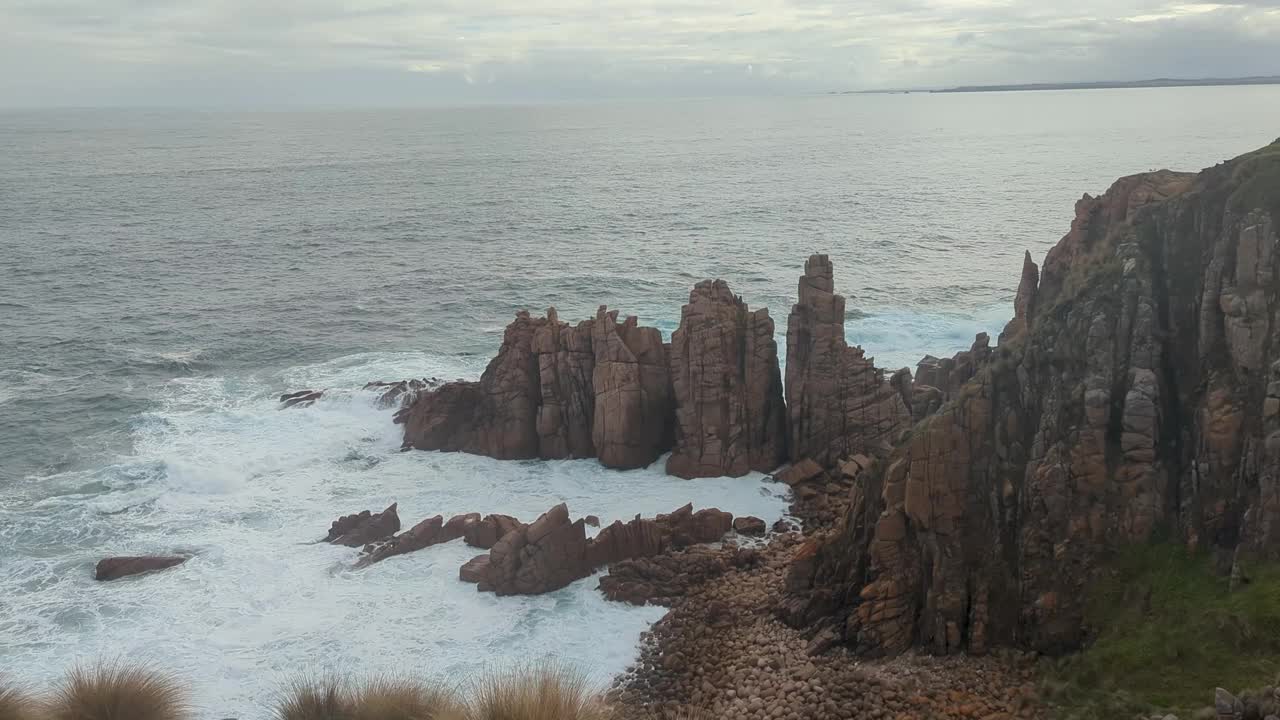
(546, 555)
(729, 414)
(838, 402)
(800, 471)
(476, 570)
(300, 399)
(114, 568)
(492, 528)
(364, 527)
(749, 525)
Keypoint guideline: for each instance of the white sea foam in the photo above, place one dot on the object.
(218, 470)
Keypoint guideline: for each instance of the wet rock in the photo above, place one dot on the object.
(749, 525)
(300, 399)
(401, 393)
(492, 528)
(364, 527)
(114, 568)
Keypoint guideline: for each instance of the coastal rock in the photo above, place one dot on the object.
(685, 527)
(639, 537)
(300, 399)
(661, 579)
(364, 527)
(432, 531)
(749, 525)
(838, 402)
(547, 555)
(1133, 394)
(729, 415)
(114, 568)
(631, 426)
(476, 570)
(401, 393)
(598, 389)
(488, 531)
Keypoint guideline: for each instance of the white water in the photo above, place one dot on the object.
(219, 471)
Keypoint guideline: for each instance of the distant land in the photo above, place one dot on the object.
(1098, 85)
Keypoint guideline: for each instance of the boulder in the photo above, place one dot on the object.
(401, 393)
(476, 570)
(729, 416)
(685, 527)
(425, 534)
(749, 525)
(364, 527)
(662, 579)
(114, 568)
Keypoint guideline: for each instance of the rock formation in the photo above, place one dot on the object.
(300, 399)
(432, 531)
(1135, 394)
(938, 379)
(729, 416)
(364, 527)
(554, 551)
(114, 568)
(838, 403)
(598, 389)
(401, 393)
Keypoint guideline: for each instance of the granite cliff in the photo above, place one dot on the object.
(1135, 395)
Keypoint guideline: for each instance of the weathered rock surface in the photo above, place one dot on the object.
(598, 389)
(432, 531)
(492, 528)
(401, 393)
(554, 551)
(300, 399)
(364, 527)
(661, 579)
(114, 568)
(1137, 391)
(937, 380)
(632, 425)
(729, 415)
(749, 525)
(838, 403)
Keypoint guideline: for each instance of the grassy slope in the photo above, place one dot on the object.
(1167, 632)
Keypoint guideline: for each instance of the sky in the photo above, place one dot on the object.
(213, 53)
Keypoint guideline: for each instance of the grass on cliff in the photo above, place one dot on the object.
(117, 691)
(1167, 631)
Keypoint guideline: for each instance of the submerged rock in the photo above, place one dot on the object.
(114, 568)
(301, 398)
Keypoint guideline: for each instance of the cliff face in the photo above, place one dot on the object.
(839, 404)
(729, 417)
(1135, 395)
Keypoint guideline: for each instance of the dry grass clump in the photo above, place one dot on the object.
(317, 698)
(115, 691)
(405, 699)
(536, 694)
(17, 704)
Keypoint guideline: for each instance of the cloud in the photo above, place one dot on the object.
(423, 51)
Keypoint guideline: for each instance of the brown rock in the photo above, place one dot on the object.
(632, 421)
(799, 471)
(486, 533)
(300, 399)
(1129, 394)
(364, 527)
(401, 393)
(425, 534)
(547, 555)
(114, 568)
(476, 570)
(729, 416)
(749, 525)
(685, 527)
(839, 403)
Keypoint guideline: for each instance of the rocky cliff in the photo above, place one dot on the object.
(613, 390)
(1135, 395)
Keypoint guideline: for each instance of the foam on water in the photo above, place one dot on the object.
(219, 471)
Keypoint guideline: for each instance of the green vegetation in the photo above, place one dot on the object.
(1167, 631)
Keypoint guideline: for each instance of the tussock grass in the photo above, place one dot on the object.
(1167, 631)
(18, 704)
(393, 698)
(317, 698)
(115, 691)
(536, 694)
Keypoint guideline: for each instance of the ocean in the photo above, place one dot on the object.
(165, 275)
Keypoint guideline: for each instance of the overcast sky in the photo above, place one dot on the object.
(412, 52)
